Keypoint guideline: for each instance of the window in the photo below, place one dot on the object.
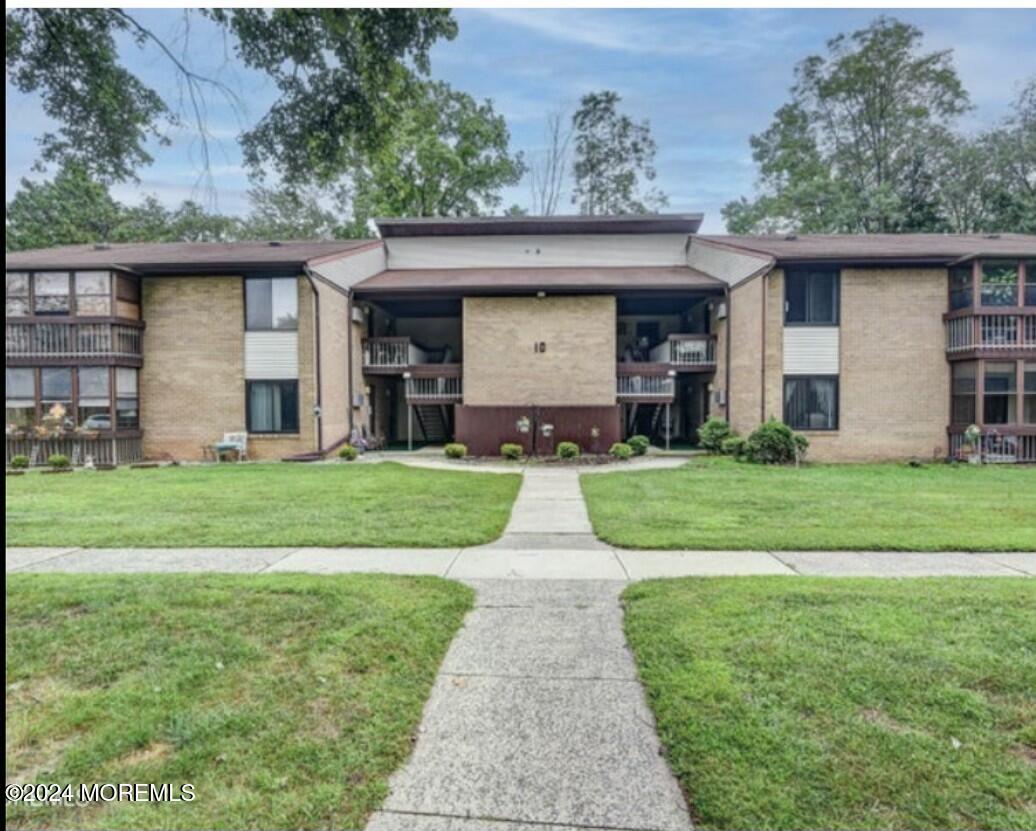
(1029, 406)
(961, 294)
(94, 398)
(55, 392)
(963, 393)
(17, 294)
(93, 293)
(21, 399)
(811, 402)
(127, 413)
(271, 304)
(999, 284)
(811, 298)
(273, 406)
(1030, 283)
(1000, 393)
(52, 293)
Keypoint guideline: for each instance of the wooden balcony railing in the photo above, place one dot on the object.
(991, 332)
(645, 388)
(68, 339)
(391, 354)
(997, 445)
(686, 351)
(434, 383)
(103, 450)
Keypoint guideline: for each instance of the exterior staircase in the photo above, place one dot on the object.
(434, 422)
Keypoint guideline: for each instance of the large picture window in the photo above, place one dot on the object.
(811, 298)
(21, 398)
(94, 398)
(811, 402)
(1000, 393)
(93, 293)
(1000, 284)
(964, 391)
(271, 304)
(961, 287)
(273, 406)
(17, 294)
(51, 290)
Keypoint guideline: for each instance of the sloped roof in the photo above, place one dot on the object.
(534, 279)
(169, 257)
(942, 248)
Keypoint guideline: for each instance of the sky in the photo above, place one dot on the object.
(705, 80)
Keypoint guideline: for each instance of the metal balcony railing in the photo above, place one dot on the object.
(68, 339)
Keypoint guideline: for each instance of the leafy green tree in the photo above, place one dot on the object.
(447, 155)
(72, 208)
(1013, 150)
(852, 151)
(288, 213)
(612, 153)
(332, 68)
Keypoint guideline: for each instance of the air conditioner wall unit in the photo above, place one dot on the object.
(357, 314)
(721, 311)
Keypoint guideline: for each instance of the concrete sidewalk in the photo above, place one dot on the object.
(548, 558)
(537, 721)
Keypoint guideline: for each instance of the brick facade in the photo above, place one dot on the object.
(575, 368)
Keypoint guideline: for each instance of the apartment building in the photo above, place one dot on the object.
(532, 330)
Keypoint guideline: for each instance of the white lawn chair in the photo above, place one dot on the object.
(238, 442)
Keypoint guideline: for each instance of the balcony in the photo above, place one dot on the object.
(391, 355)
(991, 335)
(687, 352)
(645, 383)
(98, 449)
(434, 384)
(64, 341)
(1000, 445)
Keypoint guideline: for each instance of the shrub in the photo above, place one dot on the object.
(568, 450)
(456, 451)
(621, 450)
(712, 433)
(348, 453)
(19, 462)
(58, 461)
(774, 443)
(734, 446)
(510, 450)
(639, 444)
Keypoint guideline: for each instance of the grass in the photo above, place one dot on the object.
(721, 504)
(793, 702)
(260, 505)
(286, 700)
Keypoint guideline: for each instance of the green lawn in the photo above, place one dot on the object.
(723, 504)
(260, 505)
(286, 700)
(808, 703)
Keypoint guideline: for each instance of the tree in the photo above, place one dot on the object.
(547, 169)
(852, 151)
(288, 213)
(612, 152)
(1013, 149)
(447, 155)
(70, 209)
(338, 72)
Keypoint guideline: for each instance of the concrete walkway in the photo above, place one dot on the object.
(536, 721)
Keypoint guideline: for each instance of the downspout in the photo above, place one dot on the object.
(726, 347)
(762, 352)
(349, 357)
(316, 353)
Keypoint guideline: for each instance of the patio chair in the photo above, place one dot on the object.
(238, 442)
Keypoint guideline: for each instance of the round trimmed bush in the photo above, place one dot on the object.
(455, 450)
(639, 444)
(19, 462)
(509, 450)
(348, 453)
(568, 450)
(621, 450)
(774, 443)
(58, 461)
(734, 446)
(712, 433)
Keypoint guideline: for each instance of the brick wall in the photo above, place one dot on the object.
(577, 367)
(192, 383)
